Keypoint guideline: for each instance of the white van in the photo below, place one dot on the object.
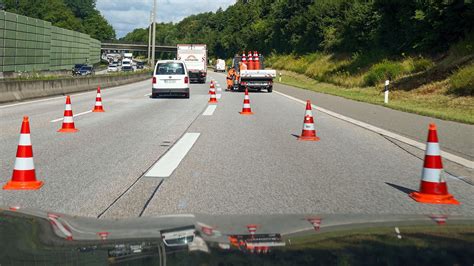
(170, 77)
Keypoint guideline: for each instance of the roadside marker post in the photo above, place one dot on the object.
(279, 78)
(387, 82)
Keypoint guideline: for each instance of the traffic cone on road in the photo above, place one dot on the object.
(98, 102)
(24, 176)
(68, 121)
(212, 92)
(308, 133)
(211, 87)
(246, 110)
(433, 187)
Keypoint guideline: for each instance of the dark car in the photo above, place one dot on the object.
(86, 70)
(76, 68)
(127, 68)
(140, 65)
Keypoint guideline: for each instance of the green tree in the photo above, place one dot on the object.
(98, 28)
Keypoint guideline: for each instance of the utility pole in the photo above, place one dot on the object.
(154, 35)
(149, 36)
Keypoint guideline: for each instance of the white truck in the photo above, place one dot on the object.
(220, 65)
(195, 58)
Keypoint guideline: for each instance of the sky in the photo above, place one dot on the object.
(126, 15)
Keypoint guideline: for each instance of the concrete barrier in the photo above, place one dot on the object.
(19, 90)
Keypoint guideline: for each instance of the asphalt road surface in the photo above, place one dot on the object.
(149, 157)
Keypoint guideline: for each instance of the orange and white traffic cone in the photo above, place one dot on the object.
(433, 187)
(68, 120)
(246, 110)
(98, 102)
(212, 92)
(256, 61)
(250, 61)
(24, 176)
(244, 58)
(308, 133)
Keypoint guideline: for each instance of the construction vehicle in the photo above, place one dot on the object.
(255, 79)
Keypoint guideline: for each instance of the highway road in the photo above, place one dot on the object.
(149, 157)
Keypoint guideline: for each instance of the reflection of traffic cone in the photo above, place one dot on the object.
(316, 222)
(212, 92)
(252, 229)
(24, 176)
(308, 133)
(433, 187)
(246, 110)
(98, 102)
(256, 61)
(68, 121)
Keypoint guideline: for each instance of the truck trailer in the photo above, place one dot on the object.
(195, 58)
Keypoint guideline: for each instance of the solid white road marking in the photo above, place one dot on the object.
(61, 97)
(419, 145)
(210, 110)
(170, 161)
(42, 100)
(148, 94)
(83, 113)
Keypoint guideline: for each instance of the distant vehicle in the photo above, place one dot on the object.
(76, 68)
(86, 71)
(140, 65)
(126, 62)
(177, 238)
(170, 77)
(128, 56)
(195, 58)
(112, 68)
(220, 66)
(127, 68)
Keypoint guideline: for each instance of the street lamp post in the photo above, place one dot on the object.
(154, 35)
(149, 36)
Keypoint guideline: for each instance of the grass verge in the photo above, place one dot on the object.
(428, 100)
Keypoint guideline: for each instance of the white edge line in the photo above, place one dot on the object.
(209, 110)
(62, 96)
(173, 157)
(421, 146)
(79, 114)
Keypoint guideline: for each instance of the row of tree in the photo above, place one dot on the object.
(75, 15)
(343, 26)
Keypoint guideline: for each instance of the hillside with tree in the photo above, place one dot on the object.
(74, 15)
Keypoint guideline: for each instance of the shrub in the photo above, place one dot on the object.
(422, 64)
(462, 81)
(382, 71)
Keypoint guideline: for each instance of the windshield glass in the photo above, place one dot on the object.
(170, 68)
(300, 131)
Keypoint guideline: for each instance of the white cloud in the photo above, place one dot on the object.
(126, 15)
